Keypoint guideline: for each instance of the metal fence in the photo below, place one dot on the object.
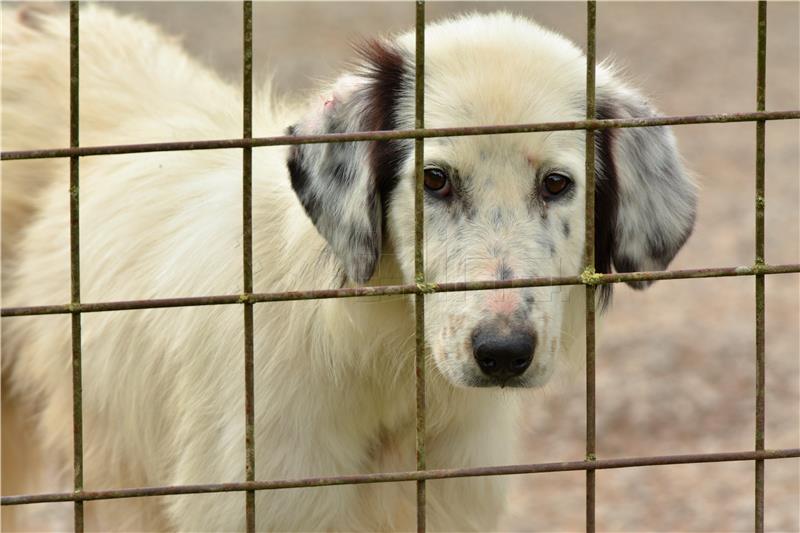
(247, 299)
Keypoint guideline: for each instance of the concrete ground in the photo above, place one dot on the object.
(675, 369)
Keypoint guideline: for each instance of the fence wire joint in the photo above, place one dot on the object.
(590, 277)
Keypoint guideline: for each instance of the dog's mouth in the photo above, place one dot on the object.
(518, 382)
(478, 380)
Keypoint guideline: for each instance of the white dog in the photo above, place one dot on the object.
(334, 384)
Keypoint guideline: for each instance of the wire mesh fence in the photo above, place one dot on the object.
(422, 287)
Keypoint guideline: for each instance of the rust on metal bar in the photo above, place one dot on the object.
(285, 140)
(760, 259)
(247, 260)
(419, 259)
(589, 249)
(410, 288)
(390, 477)
(75, 258)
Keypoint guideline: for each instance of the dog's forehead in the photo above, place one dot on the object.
(498, 69)
(474, 154)
(492, 95)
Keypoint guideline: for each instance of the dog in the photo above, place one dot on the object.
(163, 396)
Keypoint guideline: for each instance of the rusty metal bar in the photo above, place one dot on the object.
(760, 260)
(419, 256)
(247, 260)
(589, 270)
(401, 134)
(410, 288)
(390, 477)
(75, 258)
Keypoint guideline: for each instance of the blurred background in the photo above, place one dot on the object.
(676, 363)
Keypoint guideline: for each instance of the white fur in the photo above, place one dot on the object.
(334, 383)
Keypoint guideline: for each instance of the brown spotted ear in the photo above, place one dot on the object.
(344, 186)
(646, 200)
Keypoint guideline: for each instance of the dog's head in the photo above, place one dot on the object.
(496, 207)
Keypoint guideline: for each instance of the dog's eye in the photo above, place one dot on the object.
(437, 182)
(554, 185)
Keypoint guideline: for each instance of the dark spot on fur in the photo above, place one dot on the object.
(339, 173)
(565, 229)
(301, 183)
(456, 210)
(606, 200)
(388, 71)
(504, 272)
(529, 300)
(460, 199)
(325, 262)
(521, 313)
(31, 16)
(297, 171)
(470, 210)
(496, 217)
(544, 242)
(658, 247)
(623, 264)
(545, 218)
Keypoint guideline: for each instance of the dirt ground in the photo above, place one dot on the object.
(675, 368)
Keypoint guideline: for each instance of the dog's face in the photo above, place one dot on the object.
(496, 207)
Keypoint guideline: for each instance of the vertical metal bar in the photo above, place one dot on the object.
(247, 259)
(75, 259)
(419, 264)
(760, 261)
(591, 17)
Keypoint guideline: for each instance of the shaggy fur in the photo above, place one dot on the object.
(163, 389)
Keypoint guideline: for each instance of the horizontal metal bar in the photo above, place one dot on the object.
(399, 134)
(388, 477)
(389, 290)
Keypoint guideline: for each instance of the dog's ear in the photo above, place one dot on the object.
(645, 198)
(343, 186)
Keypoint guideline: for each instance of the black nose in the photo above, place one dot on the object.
(503, 356)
